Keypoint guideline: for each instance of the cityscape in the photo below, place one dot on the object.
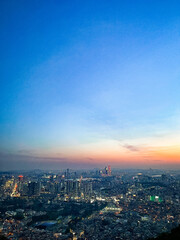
(90, 120)
(95, 204)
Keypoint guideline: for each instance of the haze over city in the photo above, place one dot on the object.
(85, 84)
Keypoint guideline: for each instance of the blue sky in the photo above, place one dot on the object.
(78, 77)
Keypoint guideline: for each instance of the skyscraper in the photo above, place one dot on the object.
(34, 188)
(109, 170)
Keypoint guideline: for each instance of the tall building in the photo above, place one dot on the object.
(20, 178)
(87, 189)
(106, 172)
(68, 186)
(109, 170)
(20, 184)
(72, 188)
(34, 188)
(76, 188)
(57, 188)
(67, 173)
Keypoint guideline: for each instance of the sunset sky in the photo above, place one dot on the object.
(89, 83)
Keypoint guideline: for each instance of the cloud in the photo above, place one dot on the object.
(26, 152)
(132, 148)
(11, 162)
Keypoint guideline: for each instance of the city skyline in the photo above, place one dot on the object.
(87, 84)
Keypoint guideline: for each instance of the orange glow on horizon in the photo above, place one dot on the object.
(116, 156)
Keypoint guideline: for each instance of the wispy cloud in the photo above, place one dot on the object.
(25, 151)
(132, 148)
(25, 162)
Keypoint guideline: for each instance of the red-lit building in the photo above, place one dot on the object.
(109, 170)
(20, 177)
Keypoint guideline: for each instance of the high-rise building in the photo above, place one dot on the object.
(20, 184)
(20, 178)
(87, 189)
(109, 170)
(34, 188)
(106, 172)
(76, 188)
(57, 188)
(67, 174)
(68, 186)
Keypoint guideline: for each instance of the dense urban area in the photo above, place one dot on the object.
(97, 204)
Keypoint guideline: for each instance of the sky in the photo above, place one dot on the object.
(89, 83)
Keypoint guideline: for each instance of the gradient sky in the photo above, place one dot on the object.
(90, 83)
